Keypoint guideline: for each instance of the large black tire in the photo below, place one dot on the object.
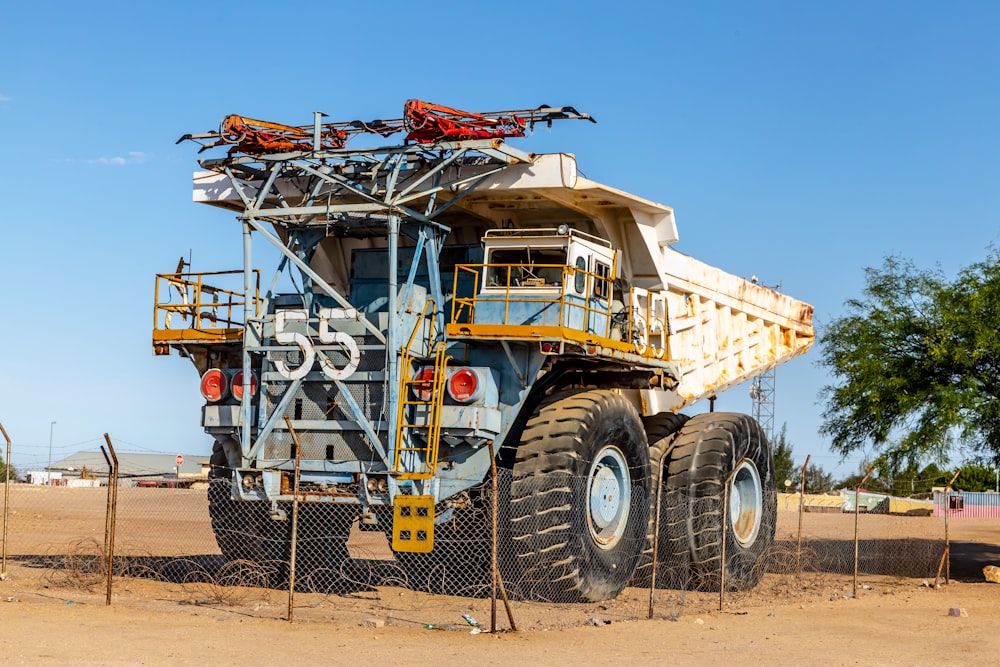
(322, 561)
(707, 450)
(245, 531)
(661, 430)
(579, 498)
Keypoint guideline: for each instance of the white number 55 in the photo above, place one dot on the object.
(326, 336)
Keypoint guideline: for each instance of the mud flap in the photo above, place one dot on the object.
(413, 524)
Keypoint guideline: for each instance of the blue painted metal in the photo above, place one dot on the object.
(347, 425)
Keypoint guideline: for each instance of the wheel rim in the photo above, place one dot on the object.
(609, 494)
(746, 504)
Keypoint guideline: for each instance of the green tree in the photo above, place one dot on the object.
(885, 478)
(874, 482)
(974, 477)
(817, 479)
(915, 363)
(784, 466)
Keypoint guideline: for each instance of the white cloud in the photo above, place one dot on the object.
(132, 157)
(5, 98)
(117, 161)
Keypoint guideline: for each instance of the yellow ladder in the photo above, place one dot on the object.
(409, 406)
(413, 515)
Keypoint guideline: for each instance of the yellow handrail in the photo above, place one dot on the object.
(222, 309)
(464, 307)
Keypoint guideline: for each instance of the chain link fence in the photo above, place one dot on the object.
(311, 557)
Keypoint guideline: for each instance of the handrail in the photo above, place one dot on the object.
(200, 303)
(625, 320)
(465, 306)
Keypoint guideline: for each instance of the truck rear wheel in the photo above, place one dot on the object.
(707, 451)
(245, 531)
(661, 430)
(579, 498)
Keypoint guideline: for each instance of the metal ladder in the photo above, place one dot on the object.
(413, 515)
(409, 404)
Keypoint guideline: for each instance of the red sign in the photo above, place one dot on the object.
(179, 460)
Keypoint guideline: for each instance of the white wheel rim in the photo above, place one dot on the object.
(746, 504)
(609, 496)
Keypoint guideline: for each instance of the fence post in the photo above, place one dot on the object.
(111, 513)
(725, 529)
(295, 521)
(802, 502)
(656, 530)
(6, 503)
(946, 554)
(857, 513)
(497, 578)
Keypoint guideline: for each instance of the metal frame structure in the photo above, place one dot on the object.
(307, 194)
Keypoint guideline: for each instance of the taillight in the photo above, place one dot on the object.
(214, 385)
(238, 385)
(465, 385)
(423, 383)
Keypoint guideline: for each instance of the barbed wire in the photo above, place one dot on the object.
(213, 551)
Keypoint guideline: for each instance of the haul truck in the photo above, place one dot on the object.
(449, 302)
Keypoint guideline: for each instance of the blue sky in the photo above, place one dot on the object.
(799, 142)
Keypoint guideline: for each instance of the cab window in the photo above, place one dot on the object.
(602, 281)
(580, 275)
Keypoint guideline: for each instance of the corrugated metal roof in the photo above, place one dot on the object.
(131, 464)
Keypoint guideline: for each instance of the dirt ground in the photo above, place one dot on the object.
(911, 626)
(812, 619)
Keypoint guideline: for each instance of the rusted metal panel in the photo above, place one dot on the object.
(725, 330)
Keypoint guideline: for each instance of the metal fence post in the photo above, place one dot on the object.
(111, 513)
(946, 554)
(725, 529)
(497, 578)
(656, 534)
(802, 502)
(6, 503)
(857, 513)
(295, 521)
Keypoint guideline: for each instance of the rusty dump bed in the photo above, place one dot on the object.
(720, 329)
(725, 329)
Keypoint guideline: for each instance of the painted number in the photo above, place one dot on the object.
(326, 336)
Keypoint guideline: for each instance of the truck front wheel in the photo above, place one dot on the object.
(580, 498)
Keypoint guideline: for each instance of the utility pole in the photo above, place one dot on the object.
(48, 468)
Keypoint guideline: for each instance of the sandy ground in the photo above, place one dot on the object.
(49, 617)
(911, 626)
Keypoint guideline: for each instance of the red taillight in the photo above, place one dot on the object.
(214, 385)
(238, 385)
(423, 383)
(464, 385)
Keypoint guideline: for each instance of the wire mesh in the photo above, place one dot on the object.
(212, 550)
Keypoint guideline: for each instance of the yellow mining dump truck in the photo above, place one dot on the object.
(435, 307)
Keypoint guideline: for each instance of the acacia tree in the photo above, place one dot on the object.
(915, 363)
